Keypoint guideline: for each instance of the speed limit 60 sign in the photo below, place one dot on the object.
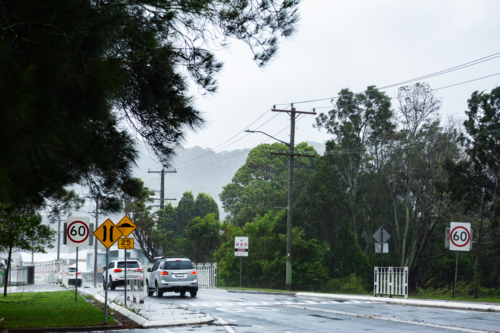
(77, 231)
(460, 236)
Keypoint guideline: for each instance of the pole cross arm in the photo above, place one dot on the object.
(286, 143)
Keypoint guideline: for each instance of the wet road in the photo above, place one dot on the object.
(244, 312)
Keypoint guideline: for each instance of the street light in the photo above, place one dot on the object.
(286, 143)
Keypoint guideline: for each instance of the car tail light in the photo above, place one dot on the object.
(178, 260)
(193, 272)
(117, 270)
(139, 269)
(79, 273)
(163, 273)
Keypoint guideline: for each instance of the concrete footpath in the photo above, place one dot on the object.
(490, 307)
(152, 314)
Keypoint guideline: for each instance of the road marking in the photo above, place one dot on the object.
(225, 324)
(389, 319)
(166, 331)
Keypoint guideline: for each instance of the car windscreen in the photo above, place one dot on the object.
(130, 264)
(178, 265)
(71, 269)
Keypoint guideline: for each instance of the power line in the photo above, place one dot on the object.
(441, 72)
(440, 88)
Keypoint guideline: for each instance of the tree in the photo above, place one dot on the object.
(204, 205)
(21, 228)
(201, 238)
(357, 122)
(474, 180)
(75, 74)
(265, 266)
(261, 183)
(185, 212)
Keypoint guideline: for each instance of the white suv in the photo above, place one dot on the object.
(116, 273)
(172, 275)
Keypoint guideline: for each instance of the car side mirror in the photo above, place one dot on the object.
(149, 269)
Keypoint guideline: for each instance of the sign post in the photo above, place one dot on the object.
(107, 234)
(241, 249)
(381, 236)
(460, 240)
(126, 226)
(77, 233)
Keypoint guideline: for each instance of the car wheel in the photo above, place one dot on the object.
(183, 293)
(150, 291)
(112, 285)
(193, 293)
(79, 283)
(158, 292)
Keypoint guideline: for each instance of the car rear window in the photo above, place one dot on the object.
(130, 264)
(71, 269)
(178, 265)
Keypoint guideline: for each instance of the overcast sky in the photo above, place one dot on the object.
(351, 44)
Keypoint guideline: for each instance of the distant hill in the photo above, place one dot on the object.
(198, 170)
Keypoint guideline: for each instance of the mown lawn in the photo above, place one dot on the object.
(48, 309)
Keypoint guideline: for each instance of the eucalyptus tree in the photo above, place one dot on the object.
(418, 107)
(356, 121)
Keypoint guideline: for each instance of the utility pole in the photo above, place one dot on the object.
(95, 243)
(291, 154)
(162, 188)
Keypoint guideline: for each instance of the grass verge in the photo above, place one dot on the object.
(493, 299)
(49, 309)
(411, 296)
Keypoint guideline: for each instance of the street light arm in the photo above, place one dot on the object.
(286, 143)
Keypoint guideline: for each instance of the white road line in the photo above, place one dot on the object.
(225, 324)
(461, 329)
(166, 331)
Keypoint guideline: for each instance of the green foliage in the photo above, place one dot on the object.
(21, 228)
(265, 265)
(261, 183)
(201, 238)
(73, 73)
(204, 205)
(347, 285)
(185, 212)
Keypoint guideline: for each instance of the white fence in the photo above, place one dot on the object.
(49, 272)
(206, 271)
(207, 274)
(391, 281)
(18, 275)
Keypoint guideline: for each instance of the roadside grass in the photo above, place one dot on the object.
(48, 309)
(492, 299)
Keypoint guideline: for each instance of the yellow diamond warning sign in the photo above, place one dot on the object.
(126, 226)
(107, 233)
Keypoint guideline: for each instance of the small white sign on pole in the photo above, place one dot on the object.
(77, 231)
(460, 236)
(241, 246)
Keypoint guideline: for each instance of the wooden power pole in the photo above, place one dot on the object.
(289, 224)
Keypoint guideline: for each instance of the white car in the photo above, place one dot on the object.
(116, 273)
(73, 276)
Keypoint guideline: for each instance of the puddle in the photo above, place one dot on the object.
(320, 316)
